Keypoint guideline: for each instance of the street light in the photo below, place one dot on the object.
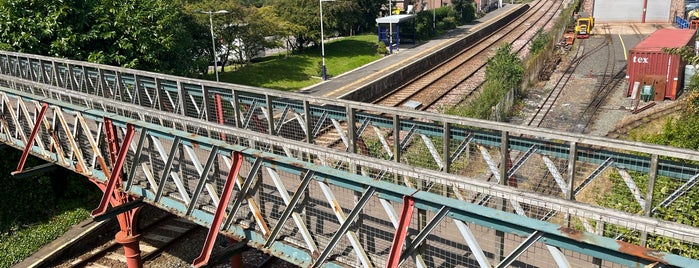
(322, 42)
(213, 42)
(434, 19)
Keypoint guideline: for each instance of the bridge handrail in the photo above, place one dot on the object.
(416, 116)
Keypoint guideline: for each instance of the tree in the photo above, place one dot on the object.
(54, 28)
(466, 10)
(147, 34)
(302, 18)
(150, 35)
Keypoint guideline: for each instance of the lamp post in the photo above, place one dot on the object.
(213, 42)
(323, 71)
(390, 27)
(434, 19)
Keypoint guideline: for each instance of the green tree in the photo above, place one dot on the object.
(466, 10)
(150, 35)
(368, 10)
(55, 28)
(303, 20)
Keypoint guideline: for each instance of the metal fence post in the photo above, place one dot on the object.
(504, 157)
(652, 174)
(270, 115)
(396, 142)
(572, 157)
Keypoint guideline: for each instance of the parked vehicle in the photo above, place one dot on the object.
(584, 25)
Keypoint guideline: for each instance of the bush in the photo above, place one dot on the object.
(503, 73)
(540, 41)
(381, 48)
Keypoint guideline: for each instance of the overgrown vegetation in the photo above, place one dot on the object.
(541, 39)
(35, 211)
(502, 74)
(683, 211)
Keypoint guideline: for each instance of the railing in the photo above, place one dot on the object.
(470, 156)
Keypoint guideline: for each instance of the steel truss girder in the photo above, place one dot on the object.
(187, 87)
(554, 234)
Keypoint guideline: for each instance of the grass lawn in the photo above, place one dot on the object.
(302, 69)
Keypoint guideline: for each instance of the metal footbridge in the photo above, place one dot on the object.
(331, 183)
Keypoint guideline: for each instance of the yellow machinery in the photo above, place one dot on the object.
(584, 25)
(693, 15)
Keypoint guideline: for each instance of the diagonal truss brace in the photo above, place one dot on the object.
(433, 151)
(535, 236)
(473, 245)
(554, 172)
(520, 162)
(243, 191)
(677, 193)
(291, 204)
(593, 175)
(202, 179)
(30, 142)
(632, 186)
(345, 224)
(167, 167)
(422, 235)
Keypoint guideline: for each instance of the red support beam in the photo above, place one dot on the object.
(115, 176)
(399, 238)
(30, 142)
(203, 258)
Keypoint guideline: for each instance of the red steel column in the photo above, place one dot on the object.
(132, 252)
(128, 235)
(219, 113)
(237, 260)
(220, 213)
(399, 238)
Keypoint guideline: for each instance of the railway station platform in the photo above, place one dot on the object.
(338, 86)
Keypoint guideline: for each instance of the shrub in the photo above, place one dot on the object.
(540, 41)
(381, 48)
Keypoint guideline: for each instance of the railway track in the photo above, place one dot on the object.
(543, 110)
(609, 80)
(157, 236)
(160, 232)
(464, 72)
